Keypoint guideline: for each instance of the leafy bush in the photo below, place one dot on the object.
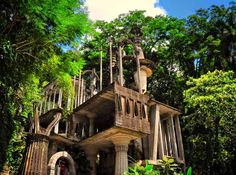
(166, 166)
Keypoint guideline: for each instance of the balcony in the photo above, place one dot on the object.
(114, 110)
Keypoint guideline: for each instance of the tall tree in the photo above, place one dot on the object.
(211, 105)
(213, 38)
(31, 36)
(182, 49)
(157, 33)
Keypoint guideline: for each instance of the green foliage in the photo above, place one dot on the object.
(62, 21)
(211, 105)
(157, 32)
(166, 166)
(31, 36)
(32, 33)
(212, 32)
(16, 147)
(181, 49)
(188, 172)
(61, 69)
(138, 169)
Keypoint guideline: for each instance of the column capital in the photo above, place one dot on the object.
(121, 139)
(121, 148)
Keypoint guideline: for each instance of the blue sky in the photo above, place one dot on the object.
(184, 8)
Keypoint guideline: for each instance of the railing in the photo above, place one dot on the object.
(131, 110)
(82, 91)
(54, 97)
(127, 110)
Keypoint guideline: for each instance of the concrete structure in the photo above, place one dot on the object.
(105, 125)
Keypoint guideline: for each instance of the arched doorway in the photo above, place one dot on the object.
(62, 159)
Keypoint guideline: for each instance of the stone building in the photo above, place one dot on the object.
(104, 125)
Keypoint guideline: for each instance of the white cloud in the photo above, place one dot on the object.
(110, 9)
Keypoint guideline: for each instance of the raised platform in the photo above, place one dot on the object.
(103, 139)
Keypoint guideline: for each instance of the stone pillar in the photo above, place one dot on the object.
(91, 127)
(121, 147)
(91, 119)
(155, 128)
(36, 157)
(141, 80)
(121, 159)
(91, 154)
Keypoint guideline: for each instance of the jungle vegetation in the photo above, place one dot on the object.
(195, 68)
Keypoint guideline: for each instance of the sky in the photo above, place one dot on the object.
(110, 9)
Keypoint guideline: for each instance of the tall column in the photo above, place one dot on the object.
(100, 69)
(36, 156)
(155, 132)
(121, 78)
(91, 154)
(121, 148)
(121, 159)
(179, 138)
(91, 127)
(91, 117)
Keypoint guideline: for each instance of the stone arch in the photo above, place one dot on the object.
(53, 160)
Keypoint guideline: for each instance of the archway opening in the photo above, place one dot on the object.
(61, 163)
(62, 167)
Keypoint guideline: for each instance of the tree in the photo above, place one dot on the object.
(211, 105)
(31, 36)
(181, 49)
(213, 35)
(157, 34)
